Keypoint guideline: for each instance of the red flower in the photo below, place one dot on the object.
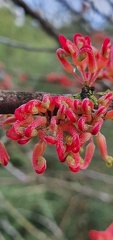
(39, 162)
(4, 157)
(62, 79)
(102, 235)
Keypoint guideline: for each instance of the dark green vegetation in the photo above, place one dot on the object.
(57, 205)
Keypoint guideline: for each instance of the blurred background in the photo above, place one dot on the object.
(58, 205)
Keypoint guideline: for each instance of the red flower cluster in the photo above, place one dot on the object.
(65, 122)
(87, 60)
(69, 122)
(62, 79)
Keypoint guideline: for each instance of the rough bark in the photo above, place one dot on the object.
(10, 100)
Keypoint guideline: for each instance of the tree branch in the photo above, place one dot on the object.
(92, 5)
(15, 44)
(10, 100)
(78, 16)
(36, 15)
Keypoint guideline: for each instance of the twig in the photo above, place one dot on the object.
(46, 222)
(1, 236)
(68, 212)
(105, 178)
(37, 233)
(21, 176)
(78, 15)
(10, 230)
(69, 7)
(107, 17)
(26, 47)
(83, 190)
(36, 15)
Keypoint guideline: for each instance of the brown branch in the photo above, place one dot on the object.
(10, 100)
(36, 15)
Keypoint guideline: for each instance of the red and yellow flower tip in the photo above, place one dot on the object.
(39, 162)
(102, 235)
(101, 141)
(4, 157)
(76, 163)
(62, 55)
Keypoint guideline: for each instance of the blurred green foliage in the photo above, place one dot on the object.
(57, 205)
